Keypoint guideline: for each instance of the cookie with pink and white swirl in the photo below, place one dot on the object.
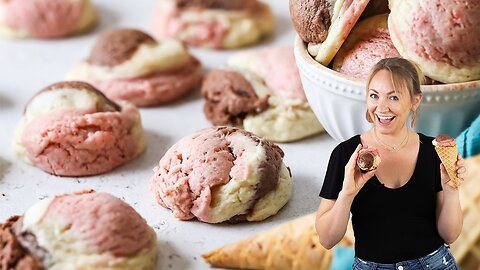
(45, 18)
(83, 230)
(222, 174)
(218, 24)
(72, 129)
(441, 37)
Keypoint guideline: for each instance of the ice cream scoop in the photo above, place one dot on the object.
(444, 140)
(368, 159)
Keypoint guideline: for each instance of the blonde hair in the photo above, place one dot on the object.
(405, 75)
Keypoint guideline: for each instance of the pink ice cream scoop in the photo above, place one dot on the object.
(442, 37)
(368, 43)
(47, 18)
(84, 230)
(444, 140)
(71, 129)
(220, 174)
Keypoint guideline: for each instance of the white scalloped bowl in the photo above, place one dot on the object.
(339, 102)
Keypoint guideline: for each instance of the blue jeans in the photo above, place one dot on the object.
(440, 259)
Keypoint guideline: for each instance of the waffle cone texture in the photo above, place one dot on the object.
(448, 155)
(293, 245)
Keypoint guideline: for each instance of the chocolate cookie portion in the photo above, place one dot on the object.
(229, 98)
(107, 104)
(117, 46)
(365, 161)
(269, 168)
(312, 18)
(13, 255)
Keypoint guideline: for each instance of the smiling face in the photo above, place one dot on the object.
(388, 108)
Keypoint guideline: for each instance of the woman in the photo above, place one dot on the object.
(404, 211)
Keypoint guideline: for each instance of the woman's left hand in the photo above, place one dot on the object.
(461, 172)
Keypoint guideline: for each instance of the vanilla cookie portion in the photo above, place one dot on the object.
(72, 129)
(129, 53)
(46, 18)
(220, 24)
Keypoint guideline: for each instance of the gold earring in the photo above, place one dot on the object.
(368, 117)
(414, 118)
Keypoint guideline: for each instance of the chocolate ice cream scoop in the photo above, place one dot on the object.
(368, 159)
(443, 137)
(443, 140)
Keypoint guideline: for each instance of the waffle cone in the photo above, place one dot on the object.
(466, 249)
(293, 245)
(448, 156)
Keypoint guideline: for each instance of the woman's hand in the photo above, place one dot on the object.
(354, 179)
(461, 172)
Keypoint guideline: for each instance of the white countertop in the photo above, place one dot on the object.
(26, 66)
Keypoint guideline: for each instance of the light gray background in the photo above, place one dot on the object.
(26, 66)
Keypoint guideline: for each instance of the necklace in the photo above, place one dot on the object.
(389, 147)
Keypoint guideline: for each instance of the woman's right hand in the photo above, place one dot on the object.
(354, 179)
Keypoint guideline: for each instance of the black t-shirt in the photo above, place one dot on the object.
(391, 225)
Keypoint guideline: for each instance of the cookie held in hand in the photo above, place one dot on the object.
(368, 160)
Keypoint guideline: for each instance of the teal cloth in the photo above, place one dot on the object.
(468, 142)
(343, 258)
